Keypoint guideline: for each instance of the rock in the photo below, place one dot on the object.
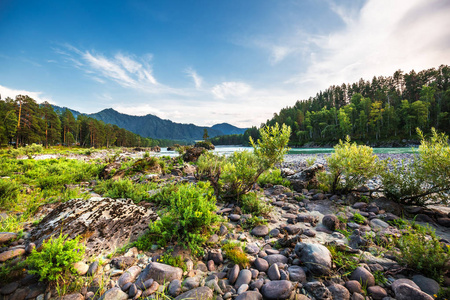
(126, 286)
(427, 285)
(296, 273)
(109, 223)
(377, 292)
(123, 262)
(245, 276)
(358, 296)
(211, 266)
(193, 153)
(318, 290)
(243, 288)
(353, 286)
(444, 221)
(303, 179)
(260, 231)
(404, 291)
(129, 275)
(261, 264)
(277, 290)
(216, 256)
(93, 268)
(30, 247)
(363, 276)
(316, 257)
(190, 283)
(175, 288)
(132, 291)
(144, 285)
(75, 296)
(152, 289)
(9, 288)
(378, 224)
(234, 217)
(331, 222)
(233, 274)
(81, 268)
(35, 290)
(223, 230)
(7, 236)
(409, 282)
(252, 249)
(257, 284)
(292, 229)
(276, 258)
(201, 293)
(114, 294)
(274, 272)
(160, 272)
(250, 295)
(4, 256)
(275, 232)
(339, 292)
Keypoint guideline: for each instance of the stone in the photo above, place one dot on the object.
(377, 292)
(275, 232)
(260, 231)
(109, 223)
(152, 289)
(93, 268)
(144, 285)
(9, 288)
(233, 274)
(353, 286)
(276, 258)
(250, 295)
(245, 276)
(331, 222)
(4, 256)
(274, 272)
(123, 262)
(132, 291)
(251, 248)
(404, 291)
(30, 247)
(216, 256)
(427, 285)
(363, 276)
(444, 221)
(223, 230)
(339, 292)
(126, 286)
(317, 258)
(81, 268)
(190, 283)
(200, 293)
(210, 265)
(309, 232)
(160, 272)
(318, 290)
(114, 294)
(358, 296)
(409, 282)
(129, 275)
(277, 290)
(292, 229)
(257, 284)
(378, 224)
(7, 236)
(243, 288)
(75, 296)
(174, 288)
(296, 273)
(234, 217)
(272, 251)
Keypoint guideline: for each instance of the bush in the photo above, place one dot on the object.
(9, 192)
(424, 181)
(124, 188)
(235, 252)
(251, 204)
(273, 177)
(351, 165)
(188, 219)
(56, 258)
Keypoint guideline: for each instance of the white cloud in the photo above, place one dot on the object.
(140, 110)
(12, 93)
(230, 89)
(198, 80)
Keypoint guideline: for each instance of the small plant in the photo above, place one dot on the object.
(250, 203)
(345, 263)
(253, 222)
(175, 261)
(235, 252)
(399, 223)
(273, 177)
(311, 160)
(56, 258)
(358, 218)
(380, 279)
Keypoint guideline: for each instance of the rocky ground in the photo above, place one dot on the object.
(288, 255)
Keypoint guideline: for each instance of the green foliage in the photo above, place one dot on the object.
(188, 219)
(273, 177)
(253, 222)
(358, 218)
(125, 188)
(310, 160)
(380, 279)
(351, 165)
(9, 192)
(425, 180)
(56, 258)
(204, 144)
(175, 261)
(235, 252)
(345, 262)
(421, 250)
(11, 271)
(251, 204)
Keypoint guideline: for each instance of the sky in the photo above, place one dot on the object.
(208, 61)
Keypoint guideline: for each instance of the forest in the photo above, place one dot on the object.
(386, 109)
(23, 121)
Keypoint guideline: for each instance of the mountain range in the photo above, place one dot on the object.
(154, 127)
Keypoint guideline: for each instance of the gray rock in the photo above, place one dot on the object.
(274, 233)
(377, 292)
(200, 293)
(126, 286)
(93, 267)
(318, 290)
(234, 217)
(427, 285)
(223, 230)
(409, 282)
(30, 247)
(316, 257)
(233, 274)
(75, 296)
(129, 275)
(339, 292)
(190, 283)
(274, 272)
(252, 249)
(250, 295)
(81, 268)
(404, 291)
(245, 276)
(277, 290)
(160, 272)
(284, 275)
(132, 291)
(260, 231)
(353, 286)
(9, 288)
(378, 224)
(243, 288)
(331, 222)
(257, 284)
(144, 285)
(7, 236)
(363, 276)
(296, 273)
(175, 288)
(114, 294)
(358, 296)
(292, 229)
(276, 258)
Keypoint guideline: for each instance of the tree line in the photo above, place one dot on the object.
(385, 109)
(23, 121)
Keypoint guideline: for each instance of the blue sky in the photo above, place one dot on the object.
(207, 62)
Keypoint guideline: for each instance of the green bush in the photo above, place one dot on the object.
(350, 166)
(235, 252)
(175, 261)
(273, 177)
(56, 258)
(424, 181)
(188, 219)
(9, 192)
(125, 188)
(421, 250)
(251, 204)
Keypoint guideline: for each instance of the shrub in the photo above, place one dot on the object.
(125, 188)
(235, 252)
(351, 165)
(421, 250)
(188, 219)
(9, 192)
(175, 261)
(424, 181)
(273, 177)
(253, 222)
(358, 218)
(345, 262)
(251, 204)
(56, 258)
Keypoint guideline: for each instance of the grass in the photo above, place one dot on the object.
(358, 218)
(345, 262)
(175, 261)
(125, 188)
(235, 252)
(251, 204)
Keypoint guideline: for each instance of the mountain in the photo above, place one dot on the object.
(157, 128)
(60, 109)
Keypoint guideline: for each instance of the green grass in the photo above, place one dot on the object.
(125, 188)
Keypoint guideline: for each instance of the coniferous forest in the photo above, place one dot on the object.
(385, 109)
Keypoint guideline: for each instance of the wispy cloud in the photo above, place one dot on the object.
(230, 89)
(12, 93)
(198, 80)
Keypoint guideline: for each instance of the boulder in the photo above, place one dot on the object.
(4, 256)
(7, 236)
(250, 295)
(427, 285)
(161, 273)
(317, 258)
(318, 290)
(363, 276)
(200, 293)
(277, 290)
(106, 223)
(331, 222)
(405, 291)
